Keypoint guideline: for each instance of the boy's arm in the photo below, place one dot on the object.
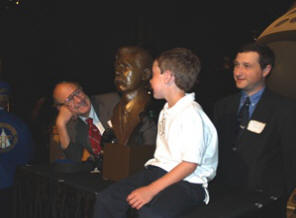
(143, 195)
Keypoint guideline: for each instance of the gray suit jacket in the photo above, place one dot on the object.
(78, 130)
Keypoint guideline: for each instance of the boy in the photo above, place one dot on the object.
(186, 153)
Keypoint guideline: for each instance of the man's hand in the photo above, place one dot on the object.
(64, 116)
(139, 197)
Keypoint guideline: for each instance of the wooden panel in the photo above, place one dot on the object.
(121, 161)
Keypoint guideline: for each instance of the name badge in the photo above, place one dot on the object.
(256, 126)
(109, 123)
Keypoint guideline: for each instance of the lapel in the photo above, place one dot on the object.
(232, 111)
(97, 107)
(81, 130)
(234, 106)
(264, 108)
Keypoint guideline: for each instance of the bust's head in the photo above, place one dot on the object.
(132, 68)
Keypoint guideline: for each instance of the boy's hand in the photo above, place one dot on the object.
(139, 197)
(143, 195)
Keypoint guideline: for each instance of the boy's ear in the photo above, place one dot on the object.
(146, 74)
(169, 76)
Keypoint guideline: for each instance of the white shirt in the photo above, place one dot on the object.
(96, 121)
(185, 133)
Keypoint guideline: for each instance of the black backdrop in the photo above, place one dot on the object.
(42, 42)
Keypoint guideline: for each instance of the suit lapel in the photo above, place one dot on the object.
(234, 105)
(229, 113)
(82, 129)
(264, 108)
(97, 106)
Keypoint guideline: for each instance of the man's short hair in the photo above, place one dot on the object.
(266, 55)
(184, 65)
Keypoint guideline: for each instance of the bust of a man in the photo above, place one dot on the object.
(132, 74)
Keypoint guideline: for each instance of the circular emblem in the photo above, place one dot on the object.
(8, 137)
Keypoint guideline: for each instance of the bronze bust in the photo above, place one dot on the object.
(132, 74)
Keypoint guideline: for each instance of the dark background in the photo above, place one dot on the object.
(42, 42)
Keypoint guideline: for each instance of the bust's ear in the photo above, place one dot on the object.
(146, 74)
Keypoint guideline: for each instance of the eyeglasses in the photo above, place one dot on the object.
(70, 99)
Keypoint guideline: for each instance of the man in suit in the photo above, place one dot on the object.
(75, 107)
(259, 153)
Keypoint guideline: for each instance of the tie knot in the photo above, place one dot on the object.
(89, 121)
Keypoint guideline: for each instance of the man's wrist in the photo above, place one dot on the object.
(61, 124)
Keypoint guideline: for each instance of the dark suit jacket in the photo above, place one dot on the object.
(78, 130)
(263, 161)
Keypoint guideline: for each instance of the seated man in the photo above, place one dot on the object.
(16, 148)
(77, 133)
(130, 121)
